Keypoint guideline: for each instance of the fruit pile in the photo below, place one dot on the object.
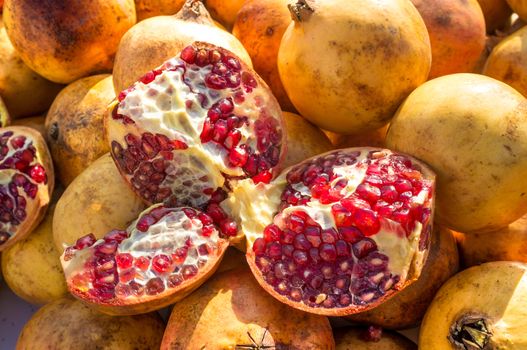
(281, 174)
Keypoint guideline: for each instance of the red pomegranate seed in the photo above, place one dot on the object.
(301, 242)
(300, 257)
(154, 286)
(367, 221)
(145, 222)
(264, 177)
(18, 142)
(328, 252)
(341, 215)
(329, 236)
(274, 250)
(180, 255)
(403, 185)
(216, 212)
(86, 241)
(188, 54)
(350, 234)
(364, 247)
(107, 248)
(116, 235)
(189, 271)
(272, 233)
(238, 157)
(368, 192)
(124, 261)
(162, 263)
(342, 248)
(229, 227)
(142, 263)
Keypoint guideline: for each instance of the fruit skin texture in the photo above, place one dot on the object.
(495, 292)
(153, 41)
(304, 140)
(235, 298)
(31, 267)
(97, 201)
(24, 92)
(36, 123)
(479, 172)
(407, 308)
(68, 324)
(5, 118)
(260, 26)
(352, 86)
(497, 14)
(65, 43)
(507, 244)
(457, 34)
(520, 7)
(507, 61)
(75, 125)
(150, 8)
(353, 338)
(374, 138)
(224, 11)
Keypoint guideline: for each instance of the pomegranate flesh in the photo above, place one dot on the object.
(186, 130)
(341, 232)
(163, 256)
(26, 182)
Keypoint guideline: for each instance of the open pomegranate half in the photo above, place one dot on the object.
(341, 232)
(159, 259)
(187, 129)
(26, 182)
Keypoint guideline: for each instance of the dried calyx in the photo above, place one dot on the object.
(470, 333)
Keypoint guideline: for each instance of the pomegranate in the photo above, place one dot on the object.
(482, 307)
(31, 267)
(520, 7)
(159, 259)
(5, 118)
(506, 61)
(190, 128)
(457, 34)
(232, 312)
(98, 200)
(65, 43)
(375, 138)
(341, 232)
(497, 14)
(371, 338)
(507, 244)
(67, 324)
(304, 140)
(407, 308)
(480, 172)
(260, 26)
(36, 123)
(352, 86)
(75, 127)
(225, 11)
(26, 182)
(151, 8)
(155, 40)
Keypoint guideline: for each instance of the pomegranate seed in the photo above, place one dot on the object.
(364, 247)
(301, 242)
(274, 250)
(296, 223)
(313, 236)
(368, 192)
(367, 221)
(226, 106)
(389, 193)
(86, 241)
(174, 280)
(154, 286)
(219, 133)
(341, 215)
(300, 257)
(350, 234)
(342, 248)
(18, 142)
(107, 248)
(116, 235)
(229, 227)
(188, 54)
(124, 261)
(232, 140)
(216, 212)
(329, 236)
(162, 263)
(216, 82)
(272, 233)
(238, 157)
(145, 222)
(287, 250)
(202, 57)
(189, 271)
(180, 255)
(259, 246)
(403, 185)
(264, 177)
(328, 252)
(142, 263)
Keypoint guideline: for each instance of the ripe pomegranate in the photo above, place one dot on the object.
(520, 7)
(341, 232)
(153, 41)
(371, 338)
(482, 307)
(67, 324)
(75, 127)
(407, 308)
(98, 200)
(352, 86)
(507, 244)
(374, 138)
(260, 26)
(24, 92)
(190, 128)
(151, 8)
(65, 43)
(304, 140)
(232, 312)
(497, 14)
(5, 118)
(26, 182)
(159, 259)
(480, 172)
(225, 11)
(457, 34)
(36, 123)
(506, 61)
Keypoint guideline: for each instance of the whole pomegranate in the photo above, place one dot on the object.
(36, 123)
(480, 171)
(225, 11)
(520, 7)
(339, 233)
(64, 43)
(97, 201)
(482, 307)
(260, 26)
(153, 41)
(249, 319)
(407, 308)
(357, 338)
(457, 34)
(507, 244)
(75, 127)
(68, 324)
(507, 61)
(374, 138)
(347, 64)
(24, 92)
(26, 182)
(497, 14)
(151, 8)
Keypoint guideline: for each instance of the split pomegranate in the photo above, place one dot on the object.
(186, 130)
(341, 232)
(26, 182)
(162, 257)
